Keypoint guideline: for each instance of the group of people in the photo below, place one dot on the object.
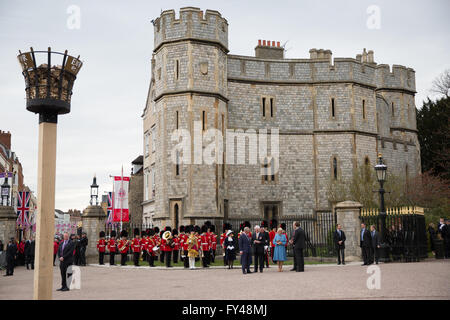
(80, 246)
(442, 232)
(19, 253)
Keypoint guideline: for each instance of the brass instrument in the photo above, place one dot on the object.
(125, 245)
(169, 239)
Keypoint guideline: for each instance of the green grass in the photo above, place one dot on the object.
(219, 262)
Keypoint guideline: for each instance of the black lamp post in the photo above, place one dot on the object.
(5, 191)
(380, 169)
(94, 191)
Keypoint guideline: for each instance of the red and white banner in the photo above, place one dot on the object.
(121, 213)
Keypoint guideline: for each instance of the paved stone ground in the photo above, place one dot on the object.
(424, 280)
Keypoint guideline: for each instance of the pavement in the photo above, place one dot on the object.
(421, 280)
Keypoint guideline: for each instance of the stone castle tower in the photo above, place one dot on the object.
(332, 115)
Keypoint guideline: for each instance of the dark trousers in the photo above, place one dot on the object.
(272, 250)
(10, 266)
(186, 259)
(245, 262)
(299, 262)
(175, 256)
(144, 255)
(168, 258)
(123, 259)
(161, 256)
(54, 258)
(151, 260)
(213, 256)
(111, 258)
(366, 254)
(101, 256)
(340, 254)
(266, 258)
(259, 261)
(29, 260)
(136, 258)
(447, 249)
(205, 259)
(63, 268)
(375, 255)
(83, 256)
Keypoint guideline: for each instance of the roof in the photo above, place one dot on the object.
(138, 160)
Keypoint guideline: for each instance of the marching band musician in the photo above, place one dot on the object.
(213, 238)
(205, 246)
(144, 240)
(101, 247)
(176, 247)
(149, 245)
(112, 248)
(123, 247)
(136, 247)
(161, 246)
(184, 245)
(166, 248)
(193, 246)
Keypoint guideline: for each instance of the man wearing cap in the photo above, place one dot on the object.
(136, 247)
(112, 247)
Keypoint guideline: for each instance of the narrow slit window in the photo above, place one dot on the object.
(333, 110)
(177, 70)
(364, 109)
(177, 165)
(392, 109)
(203, 120)
(271, 107)
(335, 169)
(264, 107)
(177, 119)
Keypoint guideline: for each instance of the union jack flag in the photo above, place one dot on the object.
(110, 208)
(23, 208)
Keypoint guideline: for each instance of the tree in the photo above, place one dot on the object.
(433, 132)
(441, 85)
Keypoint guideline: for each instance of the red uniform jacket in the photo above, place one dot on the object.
(123, 244)
(149, 245)
(213, 241)
(136, 245)
(204, 242)
(184, 241)
(112, 245)
(144, 242)
(176, 240)
(164, 246)
(222, 238)
(101, 245)
(272, 236)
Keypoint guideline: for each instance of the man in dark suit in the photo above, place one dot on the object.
(339, 241)
(258, 243)
(445, 232)
(365, 244)
(299, 243)
(375, 244)
(11, 255)
(65, 254)
(245, 249)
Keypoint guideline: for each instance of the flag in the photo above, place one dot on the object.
(121, 213)
(23, 208)
(109, 209)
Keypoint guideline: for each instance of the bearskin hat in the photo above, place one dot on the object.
(102, 234)
(283, 226)
(123, 233)
(247, 224)
(143, 233)
(197, 229)
(273, 223)
(212, 228)
(167, 228)
(156, 229)
(136, 232)
(151, 232)
(264, 224)
(174, 232)
(204, 228)
(182, 228)
(113, 233)
(226, 226)
(208, 223)
(161, 233)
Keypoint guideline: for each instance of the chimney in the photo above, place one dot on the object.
(5, 139)
(269, 50)
(320, 54)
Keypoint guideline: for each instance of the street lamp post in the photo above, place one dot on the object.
(48, 91)
(380, 169)
(94, 192)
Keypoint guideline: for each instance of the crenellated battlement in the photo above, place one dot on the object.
(400, 77)
(193, 24)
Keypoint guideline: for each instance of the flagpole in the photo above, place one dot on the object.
(113, 224)
(121, 201)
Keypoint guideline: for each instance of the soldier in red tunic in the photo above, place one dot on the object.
(176, 247)
(162, 247)
(144, 240)
(101, 247)
(167, 247)
(205, 246)
(123, 247)
(112, 248)
(213, 238)
(136, 247)
(273, 227)
(149, 245)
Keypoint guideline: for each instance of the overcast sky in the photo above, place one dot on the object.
(115, 41)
